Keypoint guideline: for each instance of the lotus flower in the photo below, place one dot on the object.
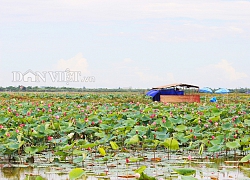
(127, 160)
(137, 175)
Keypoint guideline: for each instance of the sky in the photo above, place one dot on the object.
(125, 43)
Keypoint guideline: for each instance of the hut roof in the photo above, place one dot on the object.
(176, 85)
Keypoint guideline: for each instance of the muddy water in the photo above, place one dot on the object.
(206, 168)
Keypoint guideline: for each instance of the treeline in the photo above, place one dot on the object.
(84, 89)
(65, 89)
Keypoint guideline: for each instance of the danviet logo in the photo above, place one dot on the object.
(66, 76)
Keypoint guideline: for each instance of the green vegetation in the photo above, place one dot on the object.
(72, 128)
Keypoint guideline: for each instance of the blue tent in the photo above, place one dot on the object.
(213, 99)
(222, 91)
(206, 90)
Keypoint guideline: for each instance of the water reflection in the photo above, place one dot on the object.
(163, 168)
(14, 173)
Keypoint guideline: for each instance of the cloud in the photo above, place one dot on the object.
(98, 10)
(127, 60)
(221, 74)
(151, 78)
(128, 73)
(76, 63)
(228, 71)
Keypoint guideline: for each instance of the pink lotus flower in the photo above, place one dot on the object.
(216, 124)
(213, 137)
(28, 113)
(127, 160)
(137, 175)
(152, 116)
(50, 110)
(50, 138)
(189, 157)
(1, 126)
(163, 120)
(49, 105)
(154, 123)
(206, 125)
(100, 121)
(57, 117)
(17, 131)
(22, 125)
(8, 134)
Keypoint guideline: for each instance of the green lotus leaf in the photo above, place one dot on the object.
(185, 171)
(33, 177)
(140, 169)
(102, 151)
(78, 159)
(189, 117)
(176, 120)
(233, 145)
(171, 143)
(215, 148)
(227, 126)
(31, 150)
(146, 177)
(245, 158)
(114, 145)
(67, 147)
(76, 173)
(188, 178)
(3, 120)
(181, 128)
(133, 140)
(88, 145)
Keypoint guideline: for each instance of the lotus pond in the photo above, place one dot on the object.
(121, 136)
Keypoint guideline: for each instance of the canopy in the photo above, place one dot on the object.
(152, 93)
(176, 85)
(206, 90)
(222, 91)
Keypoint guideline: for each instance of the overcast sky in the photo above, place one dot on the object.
(125, 43)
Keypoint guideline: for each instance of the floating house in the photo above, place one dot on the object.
(175, 93)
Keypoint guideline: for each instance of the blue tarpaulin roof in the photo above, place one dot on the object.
(152, 92)
(155, 94)
(170, 89)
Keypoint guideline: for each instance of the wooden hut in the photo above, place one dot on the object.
(178, 92)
